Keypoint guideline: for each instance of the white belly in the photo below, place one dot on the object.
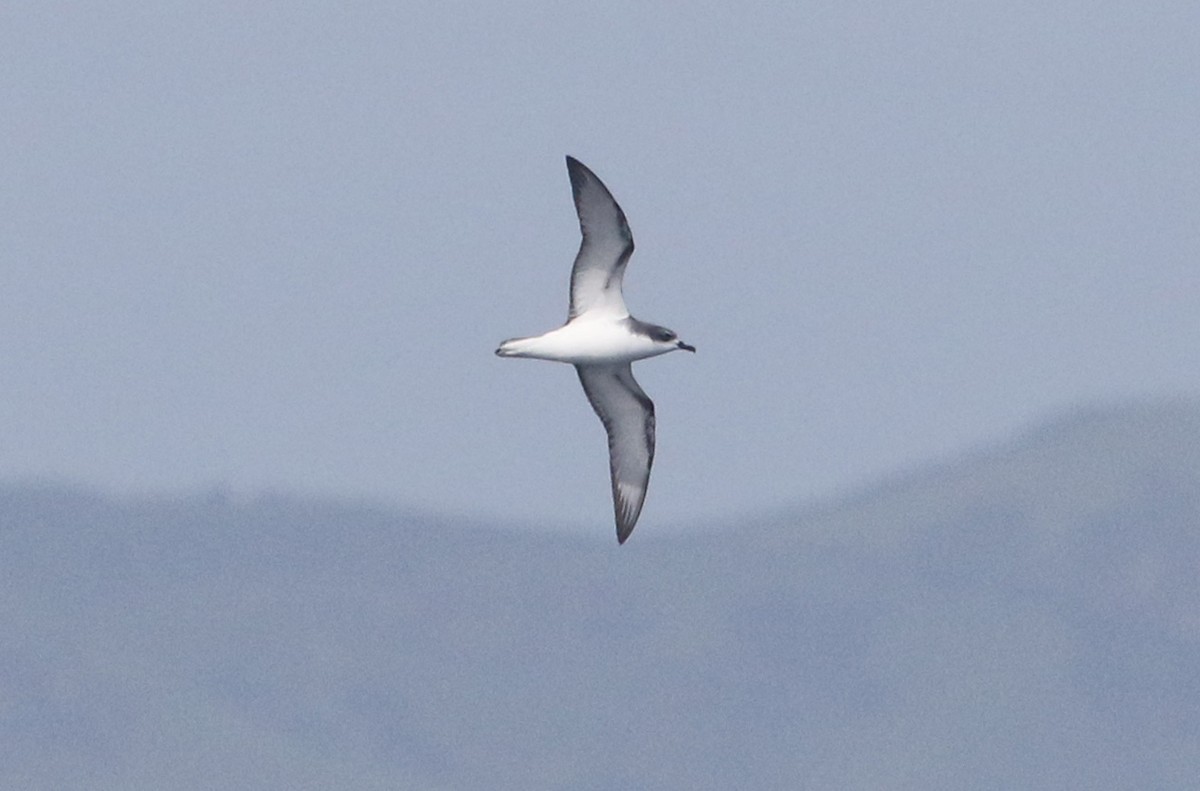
(585, 343)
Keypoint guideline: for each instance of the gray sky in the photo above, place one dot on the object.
(275, 245)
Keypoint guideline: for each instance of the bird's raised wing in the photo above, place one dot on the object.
(628, 416)
(605, 250)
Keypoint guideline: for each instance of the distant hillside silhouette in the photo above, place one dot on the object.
(1025, 616)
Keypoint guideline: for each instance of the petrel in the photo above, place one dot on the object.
(601, 340)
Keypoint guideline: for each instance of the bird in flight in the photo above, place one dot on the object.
(601, 340)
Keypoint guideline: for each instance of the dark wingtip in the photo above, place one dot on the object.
(578, 172)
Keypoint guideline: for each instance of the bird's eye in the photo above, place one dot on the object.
(666, 335)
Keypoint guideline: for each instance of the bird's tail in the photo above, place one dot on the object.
(513, 347)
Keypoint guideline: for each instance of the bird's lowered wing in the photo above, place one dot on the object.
(628, 416)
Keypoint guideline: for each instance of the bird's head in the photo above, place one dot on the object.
(669, 338)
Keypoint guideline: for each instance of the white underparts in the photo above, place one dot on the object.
(594, 341)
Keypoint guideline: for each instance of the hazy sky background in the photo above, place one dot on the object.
(274, 245)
